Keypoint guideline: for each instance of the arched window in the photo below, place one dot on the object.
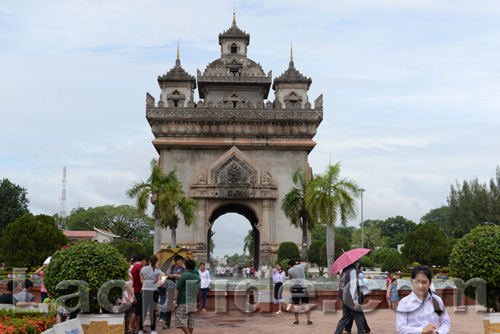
(234, 48)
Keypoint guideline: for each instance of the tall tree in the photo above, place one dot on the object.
(331, 198)
(123, 220)
(438, 216)
(31, 239)
(295, 209)
(248, 243)
(427, 244)
(13, 203)
(168, 198)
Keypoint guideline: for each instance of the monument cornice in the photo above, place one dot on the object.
(158, 114)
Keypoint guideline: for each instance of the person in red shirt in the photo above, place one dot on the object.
(136, 322)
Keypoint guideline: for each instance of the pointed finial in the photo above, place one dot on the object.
(291, 51)
(234, 13)
(178, 60)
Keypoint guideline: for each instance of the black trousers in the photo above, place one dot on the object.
(349, 314)
(366, 328)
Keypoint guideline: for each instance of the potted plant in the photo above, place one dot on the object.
(475, 260)
(88, 277)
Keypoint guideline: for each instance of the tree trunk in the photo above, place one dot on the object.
(330, 246)
(304, 242)
(173, 239)
(157, 235)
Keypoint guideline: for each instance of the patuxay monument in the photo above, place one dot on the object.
(235, 150)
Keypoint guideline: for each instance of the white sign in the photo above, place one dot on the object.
(68, 327)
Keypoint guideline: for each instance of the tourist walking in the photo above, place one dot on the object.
(365, 290)
(205, 285)
(349, 293)
(388, 288)
(296, 273)
(172, 274)
(422, 311)
(394, 294)
(150, 276)
(136, 322)
(279, 279)
(186, 291)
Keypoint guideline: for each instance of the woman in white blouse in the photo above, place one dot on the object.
(204, 285)
(422, 311)
(279, 279)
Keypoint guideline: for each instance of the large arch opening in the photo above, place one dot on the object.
(246, 212)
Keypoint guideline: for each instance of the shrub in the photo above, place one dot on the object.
(317, 254)
(284, 266)
(392, 263)
(129, 249)
(415, 264)
(91, 262)
(366, 262)
(477, 256)
(381, 254)
(288, 250)
(342, 245)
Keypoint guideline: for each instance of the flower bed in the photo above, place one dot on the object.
(14, 321)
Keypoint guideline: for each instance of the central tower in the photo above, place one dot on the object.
(233, 150)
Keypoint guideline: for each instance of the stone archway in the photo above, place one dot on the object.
(245, 211)
(234, 148)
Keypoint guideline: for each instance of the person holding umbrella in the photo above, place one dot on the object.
(349, 292)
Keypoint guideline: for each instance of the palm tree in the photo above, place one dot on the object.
(330, 197)
(248, 243)
(295, 208)
(167, 197)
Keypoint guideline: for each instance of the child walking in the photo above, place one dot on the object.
(394, 294)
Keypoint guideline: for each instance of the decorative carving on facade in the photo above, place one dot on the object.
(234, 176)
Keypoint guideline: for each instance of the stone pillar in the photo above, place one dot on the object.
(201, 230)
(266, 253)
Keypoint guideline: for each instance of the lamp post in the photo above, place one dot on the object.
(362, 234)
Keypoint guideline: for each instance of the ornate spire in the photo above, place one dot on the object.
(234, 32)
(178, 60)
(234, 14)
(177, 73)
(291, 65)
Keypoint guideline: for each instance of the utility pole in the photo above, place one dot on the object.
(62, 211)
(362, 234)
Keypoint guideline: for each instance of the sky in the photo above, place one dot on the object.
(411, 92)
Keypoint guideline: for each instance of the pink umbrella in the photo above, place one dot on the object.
(348, 258)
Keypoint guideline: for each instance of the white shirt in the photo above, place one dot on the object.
(279, 277)
(205, 279)
(413, 315)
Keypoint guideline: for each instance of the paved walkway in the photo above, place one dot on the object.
(380, 321)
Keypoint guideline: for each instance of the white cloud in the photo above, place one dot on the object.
(411, 91)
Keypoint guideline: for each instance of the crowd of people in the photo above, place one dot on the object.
(182, 289)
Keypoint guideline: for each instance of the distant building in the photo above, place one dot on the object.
(96, 235)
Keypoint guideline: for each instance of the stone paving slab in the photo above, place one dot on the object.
(380, 321)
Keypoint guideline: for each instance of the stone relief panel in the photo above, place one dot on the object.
(233, 176)
(234, 172)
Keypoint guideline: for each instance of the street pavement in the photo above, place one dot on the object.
(381, 321)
